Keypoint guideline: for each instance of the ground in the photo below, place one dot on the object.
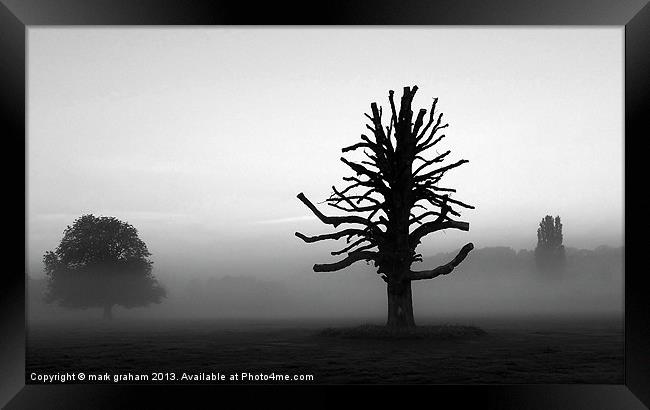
(511, 351)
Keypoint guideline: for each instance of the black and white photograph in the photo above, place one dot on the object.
(325, 205)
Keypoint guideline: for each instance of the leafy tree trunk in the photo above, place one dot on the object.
(108, 312)
(400, 305)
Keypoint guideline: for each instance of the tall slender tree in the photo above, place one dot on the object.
(395, 198)
(549, 253)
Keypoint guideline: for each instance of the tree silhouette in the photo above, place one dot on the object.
(549, 253)
(101, 262)
(393, 185)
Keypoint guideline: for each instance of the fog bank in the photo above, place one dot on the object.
(492, 282)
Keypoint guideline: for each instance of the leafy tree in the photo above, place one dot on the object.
(549, 253)
(101, 262)
(391, 193)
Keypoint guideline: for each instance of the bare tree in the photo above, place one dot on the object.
(396, 201)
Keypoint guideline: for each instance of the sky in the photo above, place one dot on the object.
(202, 138)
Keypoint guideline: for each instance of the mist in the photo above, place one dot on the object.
(202, 138)
(493, 283)
(202, 145)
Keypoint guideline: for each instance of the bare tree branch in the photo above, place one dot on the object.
(340, 198)
(355, 208)
(334, 235)
(350, 187)
(358, 198)
(419, 121)
(378, 185)
(419, 218)
(379, 129)
(431, 193)
(440, 170)
(425, 145)
(361, 170)
(425, 229)
(431, 114)
(436, 188)
(435, 128)
(433, 199)
(337, 220)
(353, 257)
(464, 205)
(426, 163)
(443, 269)
(357, 146)
(349, 247)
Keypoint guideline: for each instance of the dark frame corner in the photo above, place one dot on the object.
(17, 15)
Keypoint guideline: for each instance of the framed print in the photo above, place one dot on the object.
(438, 197)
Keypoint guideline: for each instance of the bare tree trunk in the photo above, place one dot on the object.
(108, 312)
(400, 305)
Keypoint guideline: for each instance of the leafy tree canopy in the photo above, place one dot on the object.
(550, 253)
(101, 262)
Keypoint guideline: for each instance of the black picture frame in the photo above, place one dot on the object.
(17, 15)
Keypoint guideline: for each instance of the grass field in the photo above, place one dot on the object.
(511, 351)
